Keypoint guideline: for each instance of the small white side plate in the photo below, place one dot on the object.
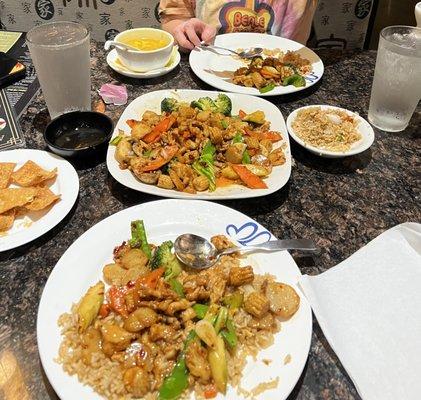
(364, 128)
(113, 62)
(35, 224)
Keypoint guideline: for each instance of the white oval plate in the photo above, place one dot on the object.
(112, 61)
(152, 101)
(217, 70)
(165, 220)
(32, 225)
(364, 127)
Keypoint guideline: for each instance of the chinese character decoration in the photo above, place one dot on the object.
(346, 7)
(45, 9)
(363, 8)
(26, 7)
(104, 19)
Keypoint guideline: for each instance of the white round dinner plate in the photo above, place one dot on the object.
(32, 225)
(152, 101)
(165, 220)
(115, 64)
(217, 70)
(365, 129)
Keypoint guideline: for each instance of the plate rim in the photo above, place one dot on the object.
(144, 188)
(56, 270)
(74, 186)
(143, 75)
(194, 54)
(370, 136)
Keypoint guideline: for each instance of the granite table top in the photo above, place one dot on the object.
(342, 204)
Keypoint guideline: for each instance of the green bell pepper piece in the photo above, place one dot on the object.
(200, 310)
(229, 334)
(177, 382)
(246, 157)
(115, 141)
(295, 80)
(221, 319)
(234, 301)
(267, 88)
(205, 164)
(139, 238)
(238, 138)
(224, 124)
(177, 287)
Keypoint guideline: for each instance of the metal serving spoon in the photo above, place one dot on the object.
(197, 252)
(122, 46)
(250, 53)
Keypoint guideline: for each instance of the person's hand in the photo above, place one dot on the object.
(193, 31)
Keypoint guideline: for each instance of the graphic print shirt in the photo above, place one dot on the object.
(287, 18)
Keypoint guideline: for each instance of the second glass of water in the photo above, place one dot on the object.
(396, 87)
(60, 53)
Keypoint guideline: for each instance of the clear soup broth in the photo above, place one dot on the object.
(147, 44)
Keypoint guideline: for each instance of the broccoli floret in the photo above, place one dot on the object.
(223, 103)
(169, 105)
(163, 257)
(204, 104)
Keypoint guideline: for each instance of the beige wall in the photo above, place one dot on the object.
(102, 17)
(341, 23)
(336, 22)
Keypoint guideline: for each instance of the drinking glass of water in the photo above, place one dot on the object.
(60, 53)
(396, 87)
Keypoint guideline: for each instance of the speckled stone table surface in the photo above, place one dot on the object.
(341, 204)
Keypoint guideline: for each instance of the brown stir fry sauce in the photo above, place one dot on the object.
(156, 315)
(200, 146)
(267, 73)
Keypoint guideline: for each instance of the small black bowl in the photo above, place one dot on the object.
(79, 133)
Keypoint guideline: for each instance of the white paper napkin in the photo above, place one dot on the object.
(369, 308)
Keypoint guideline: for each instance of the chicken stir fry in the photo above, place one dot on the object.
(267, 73)
(200, 146)
(167, 327)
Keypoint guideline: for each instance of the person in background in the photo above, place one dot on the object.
(191, 22)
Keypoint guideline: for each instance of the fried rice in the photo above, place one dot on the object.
(106, 378)
(330, 129)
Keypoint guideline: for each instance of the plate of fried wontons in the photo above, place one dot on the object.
(37, 190)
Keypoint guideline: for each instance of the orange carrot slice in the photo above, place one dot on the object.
(210, 392)
(251, 180)
(104, 310)
(131, 122)
(116, 300)
(151, 280)
(272, 136)
(167, 153)
(159, 129)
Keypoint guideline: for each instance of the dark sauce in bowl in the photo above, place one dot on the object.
(80, 138)
(79, 133)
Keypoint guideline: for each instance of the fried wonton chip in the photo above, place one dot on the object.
(15, 197)
(43, 198)
(6, 169)
(31, 174)
(6, 220)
